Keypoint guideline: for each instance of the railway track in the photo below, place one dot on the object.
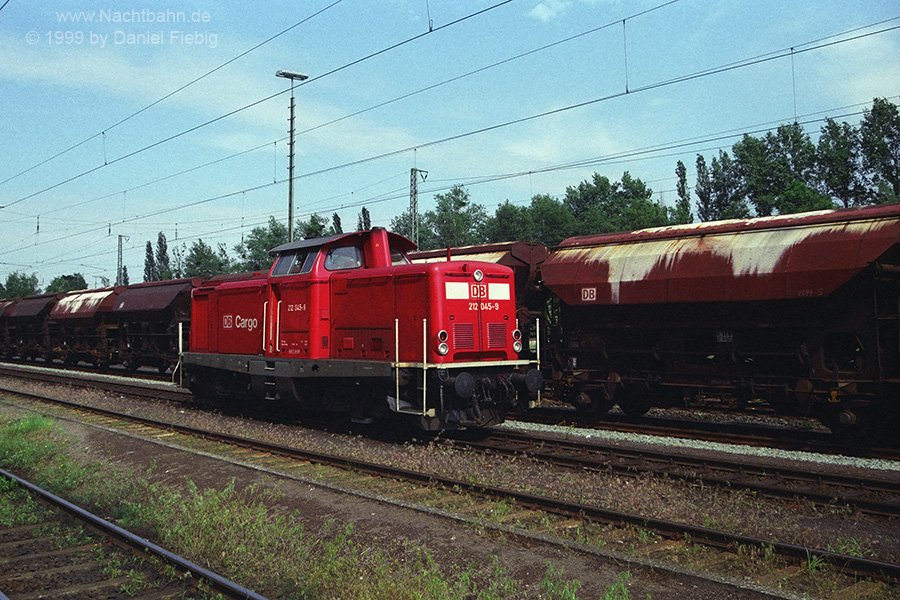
(868, 494)
(41, 560)
(749, 434)
(723, 432)
(726, 544)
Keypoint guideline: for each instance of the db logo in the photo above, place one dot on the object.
(588, 294)
(227, 321)
(478, 290)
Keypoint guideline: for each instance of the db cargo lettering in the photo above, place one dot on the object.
(239, 322)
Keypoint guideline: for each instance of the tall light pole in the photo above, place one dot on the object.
(293, 76)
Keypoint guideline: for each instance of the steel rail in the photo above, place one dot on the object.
(596, 455)
(844, 563)
(744, 434)
(139, 544)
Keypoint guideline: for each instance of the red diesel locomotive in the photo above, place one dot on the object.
(346, 323)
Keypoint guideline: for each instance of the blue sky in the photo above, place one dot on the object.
(509, 99)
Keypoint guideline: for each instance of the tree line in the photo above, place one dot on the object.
(782, 172)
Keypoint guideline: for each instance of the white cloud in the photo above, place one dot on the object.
(548, 10)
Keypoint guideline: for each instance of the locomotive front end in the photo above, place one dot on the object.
(459, 364)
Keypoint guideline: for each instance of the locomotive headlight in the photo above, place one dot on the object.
(442, 335)
(517, 340)
(478, 275)
(443, 349)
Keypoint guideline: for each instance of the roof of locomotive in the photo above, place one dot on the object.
(396, 240)
(807, 255)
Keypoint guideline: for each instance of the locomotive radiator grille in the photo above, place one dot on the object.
(464, 336)
(497, 335)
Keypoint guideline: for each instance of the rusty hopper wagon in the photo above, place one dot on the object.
(799, 309)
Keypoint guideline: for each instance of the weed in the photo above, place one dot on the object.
(17, 507)
(814, 563)
(554, 586)
(645, 536)
(850, 546)
(618, 590)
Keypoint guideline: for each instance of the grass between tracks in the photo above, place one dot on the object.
(236, 533)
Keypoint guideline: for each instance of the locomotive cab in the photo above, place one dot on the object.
(347, 324)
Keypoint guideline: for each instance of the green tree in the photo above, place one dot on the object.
(336, 224)
(757, 169)
(314, 227)
(553, 222)
(510, 223)
(640, 211)
(124, 275)
(67, 283)
(599, 206)
(727, 193)
(772, 166)
(203, 261)
(401, 224)
(584, 201)
(363, 222)
(177, 263)
(19, 285)
(163, 266)
(838, 163)
(253, 251)
(150, 271)
(455, 221)
(681, 214)
(799, 197)
(879, 134)
(706, 211)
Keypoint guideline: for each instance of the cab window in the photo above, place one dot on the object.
(295, 263)
(343, 257)
(306, 264)
(399, 258)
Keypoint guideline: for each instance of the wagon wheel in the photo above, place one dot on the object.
(635, 399)
(595, 402)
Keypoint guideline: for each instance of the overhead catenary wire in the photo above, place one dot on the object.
(401, 193)
(385, 103)
(251, 105)
(169, 95)
(686, 78)
(705, 73)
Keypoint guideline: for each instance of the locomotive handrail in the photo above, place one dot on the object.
(278, 327)
(424, 364)
(537, 349)
(397, 361)
(264, 336)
